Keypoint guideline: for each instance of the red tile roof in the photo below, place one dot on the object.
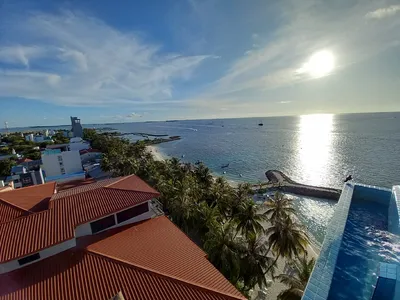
(142, 264)
(81, 275)
(159, 246)
(57, 224)
(132, 183)
(9, 212)
(29, 197)
(74, 183)
(22, 160)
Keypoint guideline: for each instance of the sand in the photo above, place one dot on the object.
(156, 154)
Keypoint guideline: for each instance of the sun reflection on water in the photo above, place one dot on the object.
(314, 147)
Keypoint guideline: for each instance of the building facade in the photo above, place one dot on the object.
(76, 127)
(56, 163)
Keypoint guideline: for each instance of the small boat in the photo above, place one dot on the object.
(183, 156)
(225, 166)
(197, 162)
(240, 175)
(224, 172)
(260, 124)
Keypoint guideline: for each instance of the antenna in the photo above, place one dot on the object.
(6, 127)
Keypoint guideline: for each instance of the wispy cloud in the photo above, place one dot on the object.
(308, 26)
(73, 59)
(385, 12)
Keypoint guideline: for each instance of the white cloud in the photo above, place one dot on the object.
(385, 12)
(87, 62)
(134, 115)
(309, 26)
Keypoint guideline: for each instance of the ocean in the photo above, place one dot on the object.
(312, 149)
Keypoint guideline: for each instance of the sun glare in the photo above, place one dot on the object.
(320, 64)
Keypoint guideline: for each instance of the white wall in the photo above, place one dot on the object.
(71, 162)
(84, 229)
(13, 265)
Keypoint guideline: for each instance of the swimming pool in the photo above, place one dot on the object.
(359, 246)
(365, 244)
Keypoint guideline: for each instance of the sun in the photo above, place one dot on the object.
(320, 64)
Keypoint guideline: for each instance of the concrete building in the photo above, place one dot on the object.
(76, 127)
(77, 144)
(38, 138)
(29, 137)
(22, 178)
(57, 163)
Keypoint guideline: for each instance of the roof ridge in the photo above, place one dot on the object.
(121, 178)
(30, 187)
(158, 273)
(134, 191)
(13, 205)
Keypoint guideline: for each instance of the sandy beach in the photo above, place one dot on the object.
(272, 292)
(156, 154)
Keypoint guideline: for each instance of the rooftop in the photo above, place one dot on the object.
(149, 259)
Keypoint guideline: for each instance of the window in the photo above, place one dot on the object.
(28, 259)
(102, 224)
(59, 158)
(61, 164)
(132, 212)
(62, 171)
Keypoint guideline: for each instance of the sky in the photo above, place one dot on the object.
(124, 61)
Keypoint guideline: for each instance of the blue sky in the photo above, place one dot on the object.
(122, 61)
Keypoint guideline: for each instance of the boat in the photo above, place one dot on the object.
(183, 156)
(260, 124)
(198, 162)
(225, 166)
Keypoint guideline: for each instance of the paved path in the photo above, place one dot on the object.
(277, 179)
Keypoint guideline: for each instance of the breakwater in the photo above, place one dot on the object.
(277, 179)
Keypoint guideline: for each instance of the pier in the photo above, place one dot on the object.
(277, 179)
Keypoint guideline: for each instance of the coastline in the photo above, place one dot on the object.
(157, 155)
(273, 291)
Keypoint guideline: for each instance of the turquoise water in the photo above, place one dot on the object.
(365, 243)
(313, 149)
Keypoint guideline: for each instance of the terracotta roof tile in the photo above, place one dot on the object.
(83, 188)
(29, 197)
(158, 245)
(81, 275)
(57, 224)
(9, 212)
(133, 182)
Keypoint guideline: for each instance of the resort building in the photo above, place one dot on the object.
(76, 127)
(21, 177)
(103, 240)
(62, 165)
(360, 255)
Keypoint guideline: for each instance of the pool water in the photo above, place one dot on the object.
(365, 244)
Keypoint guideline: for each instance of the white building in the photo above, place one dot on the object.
(77, 144)
(56, 163)
(38, 138)
(29, 137)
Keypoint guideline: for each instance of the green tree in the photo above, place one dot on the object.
(222, 250)
(5, 166)
(278, 208)
(287, 239)
(296, 280)
(248, 219)
(255, 262)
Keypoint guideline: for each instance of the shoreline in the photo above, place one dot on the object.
(155, 153)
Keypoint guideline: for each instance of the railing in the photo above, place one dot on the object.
(157, 207)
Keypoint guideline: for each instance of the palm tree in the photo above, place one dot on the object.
(255, 262)
(297, 279)
(221, 195)
(287, 238)
(222, 250)
(248, 219)
(204, 175)
(242, 194)
(279, 207)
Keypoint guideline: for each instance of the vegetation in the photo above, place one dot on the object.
(297, 279)
(5, 166)
(221, 219)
